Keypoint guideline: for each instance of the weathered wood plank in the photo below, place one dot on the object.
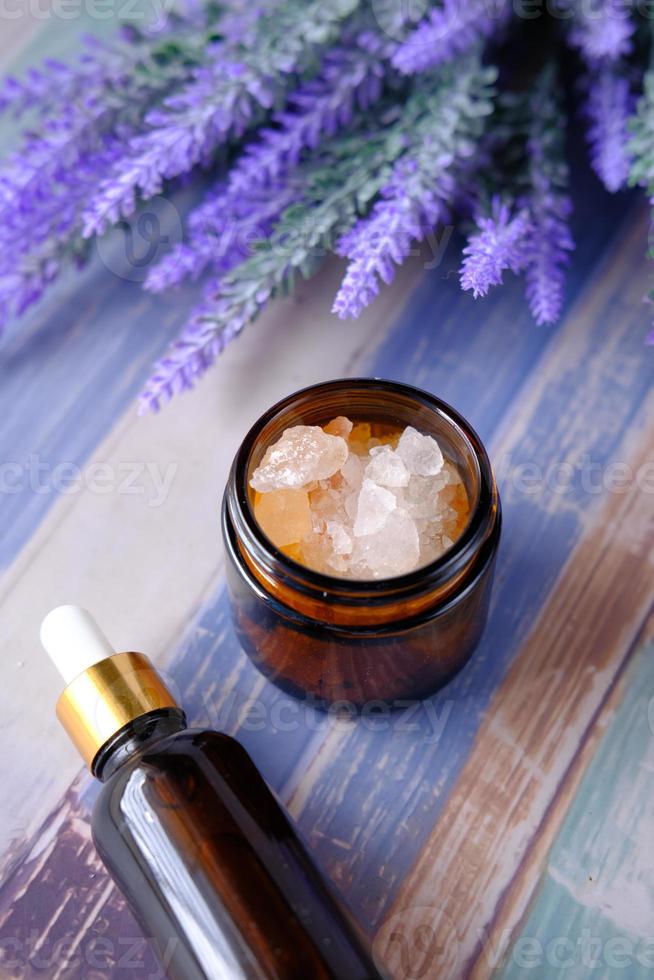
(368, 800)
(144, 569)
(499, 942)
(383, 791)
(594, 908)
(539, 715)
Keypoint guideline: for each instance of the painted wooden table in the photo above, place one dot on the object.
(503, 828)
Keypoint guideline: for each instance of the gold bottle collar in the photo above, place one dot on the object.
(106, 697)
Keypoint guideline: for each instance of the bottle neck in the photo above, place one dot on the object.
(135, 738)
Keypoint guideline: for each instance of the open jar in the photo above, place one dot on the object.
(332, 639)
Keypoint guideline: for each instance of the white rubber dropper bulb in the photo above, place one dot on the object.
(73, 641)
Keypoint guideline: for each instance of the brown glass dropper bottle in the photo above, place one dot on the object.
(189, 830)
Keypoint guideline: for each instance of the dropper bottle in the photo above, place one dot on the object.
(188, 829)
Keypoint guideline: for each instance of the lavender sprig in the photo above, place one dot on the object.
(409, 208)
(422, 183)
(223, 232)
(130, 67)
(499, 244)
(226, 97)
(46, 184)
(254, 193)
(338, 148)
(341, 181)
(350, 79)
(602, 30)
(448, 31)
(608, 107)
(547, 201)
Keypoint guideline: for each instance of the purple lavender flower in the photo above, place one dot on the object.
(330, 187)
(89, 111)
(228, 95)
(56, 84)
(608, 107)
(43, 189)
(126, 65)
(190, 356)
(200, 344)
(38, 241)
(254, 193)
(421, 186)
(214, 106)
(498, 244)
(546, 201)
(448, 31)
(351, 77)
(222, 232)
(39, 86)
(602, 31)
(409, 207)
(550, 244)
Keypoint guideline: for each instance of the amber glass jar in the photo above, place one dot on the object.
(331, 639)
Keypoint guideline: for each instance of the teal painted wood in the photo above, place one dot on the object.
(396, 784)
(378, 794)
(593, 914)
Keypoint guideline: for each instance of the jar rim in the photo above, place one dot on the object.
(429, 577)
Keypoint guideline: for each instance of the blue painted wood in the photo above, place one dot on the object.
(391, 773)
(390, 776)
(402, 781)
(101, 327)
(379, 795)
(592, 914)
(477, 353)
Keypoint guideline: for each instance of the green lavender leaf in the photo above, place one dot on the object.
(345, 176)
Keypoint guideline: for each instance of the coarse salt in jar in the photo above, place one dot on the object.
(369, 611)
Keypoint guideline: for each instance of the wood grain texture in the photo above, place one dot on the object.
(144, 569)
(594, 367)
(465, 812)
(368, 801)
(498, 941)
(594, 907)
(537, 719)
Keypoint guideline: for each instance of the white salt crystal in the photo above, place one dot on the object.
(422, 497)
(352, 505)
(317, 551)
(328, 505)
(373, 511)
(352, 470)
(387, 468)
(303, 454)
(392, 550)
(341, 540)
(430, 549)
(374, 505)
(421, 454)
